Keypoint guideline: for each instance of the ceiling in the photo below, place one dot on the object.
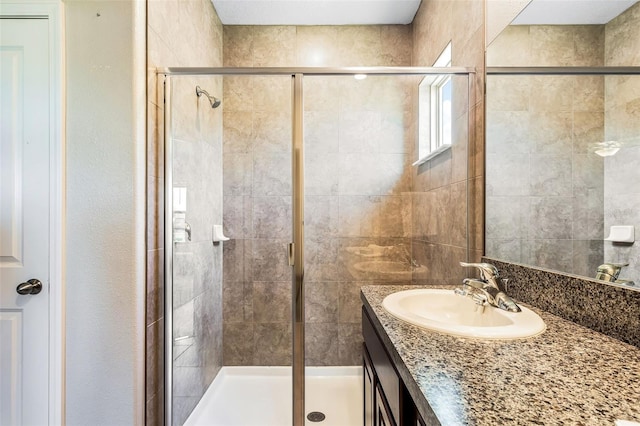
(571, 12)
(371, 12)
(316, 12)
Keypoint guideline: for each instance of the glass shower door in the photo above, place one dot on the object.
(257, 216)
(371, 216)
(194, 205)
(229, 165)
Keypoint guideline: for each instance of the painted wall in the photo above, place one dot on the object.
(545, 186)
(622, 123)
(449, 189)
(185, 33)
(104, 212)
(357, 142)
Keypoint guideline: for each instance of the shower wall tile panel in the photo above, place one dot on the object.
(172, 26)
(271, 343)
(321, 343)
(238, 342)
(350, 343)
(545, 191)
(321, 302)
(443, 188)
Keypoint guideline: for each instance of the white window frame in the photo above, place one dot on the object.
(431, 121)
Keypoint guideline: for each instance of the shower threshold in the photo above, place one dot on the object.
(261, 396)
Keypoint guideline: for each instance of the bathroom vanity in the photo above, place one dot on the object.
(386, 399)
(568, 375)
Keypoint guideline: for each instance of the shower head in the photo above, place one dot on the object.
(215, 102)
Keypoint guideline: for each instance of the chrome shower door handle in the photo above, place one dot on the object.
(33, 286)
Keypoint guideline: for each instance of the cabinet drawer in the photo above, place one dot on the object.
(384, 370)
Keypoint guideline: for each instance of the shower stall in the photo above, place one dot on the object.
(286, 190)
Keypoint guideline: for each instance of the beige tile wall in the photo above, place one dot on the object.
(358, 138)
(545, 189)
(361, 136)
(182, 33)
(450, 187)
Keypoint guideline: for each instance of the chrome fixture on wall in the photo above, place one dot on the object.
(610, 272)
(215, 102)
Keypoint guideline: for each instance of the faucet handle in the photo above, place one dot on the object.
(505, 283)
(487, 270)
(473, 283)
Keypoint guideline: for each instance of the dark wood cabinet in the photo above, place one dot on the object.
(382, 415)
(386, 400)
(369, 389)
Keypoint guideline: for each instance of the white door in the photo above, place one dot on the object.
(24, 221)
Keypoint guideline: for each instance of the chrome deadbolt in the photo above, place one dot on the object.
(33, 286)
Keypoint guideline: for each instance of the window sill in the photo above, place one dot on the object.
(432, 154)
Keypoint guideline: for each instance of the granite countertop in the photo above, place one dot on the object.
(569, 375)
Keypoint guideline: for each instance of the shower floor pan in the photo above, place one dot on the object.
(261, 396)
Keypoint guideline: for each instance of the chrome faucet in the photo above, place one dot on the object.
(610, 272)
(486, 290)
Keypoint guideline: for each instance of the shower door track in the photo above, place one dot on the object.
(315, 71)
(296, 248)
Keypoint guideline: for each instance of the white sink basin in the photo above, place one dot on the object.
(446, 312)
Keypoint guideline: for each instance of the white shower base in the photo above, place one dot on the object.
(261, 396)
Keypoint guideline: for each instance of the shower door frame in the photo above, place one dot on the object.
(296, 247)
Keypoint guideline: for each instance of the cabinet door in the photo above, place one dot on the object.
(383, 415)
(369, 386)
(384, 370)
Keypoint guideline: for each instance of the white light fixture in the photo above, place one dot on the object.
(360, 76)
(607, 152)
(607, 148)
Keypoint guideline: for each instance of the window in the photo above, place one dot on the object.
(434, 120)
